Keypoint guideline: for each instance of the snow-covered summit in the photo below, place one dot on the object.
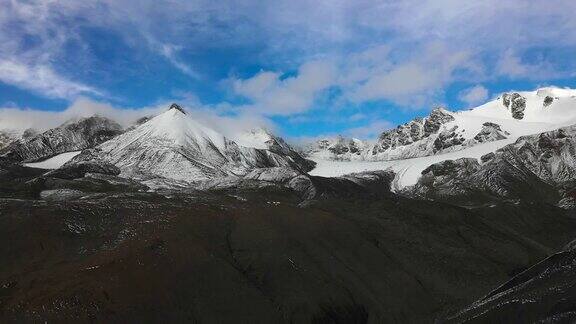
(260, 138)
(546, 105)
(175, 125)
(177, 107)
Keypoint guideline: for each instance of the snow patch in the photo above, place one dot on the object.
(54, 162)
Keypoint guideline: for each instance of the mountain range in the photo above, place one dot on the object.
(509, 116)
(417, 225)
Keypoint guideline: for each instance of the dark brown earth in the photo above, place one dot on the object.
(259, 258)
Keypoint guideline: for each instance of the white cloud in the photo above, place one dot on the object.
(399, 83)
(474, 95)
(489, 24)
(369, 131)
(41, 79)
(33, 36)
(257, 86)
(19, 119)
(272, 95)
(357, 117)
(412, 81)
(369, 75)
(511, 65)
(170, 53)
(231, 126)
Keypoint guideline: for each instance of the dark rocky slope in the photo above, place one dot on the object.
(545, 293)
(355, 254)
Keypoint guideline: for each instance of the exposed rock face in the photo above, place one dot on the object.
(402, 135)
(71, 136)
(339, 148)
(447, 179)
(437, 117)
(548, 101)
(506, 99)
(142, 120)
(518, 107)
(515, 103)
(539, 167)
(414, 131)
(177, 107)
(449, 167)
(447, 138)
(435, 134)
(490, 132)
(342, 146)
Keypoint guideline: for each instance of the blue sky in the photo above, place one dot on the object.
(305, 68)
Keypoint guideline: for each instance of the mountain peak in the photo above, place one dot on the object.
(177, 107)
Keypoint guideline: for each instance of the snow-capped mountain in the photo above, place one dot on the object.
(511, 115)
(174, 146)
(74, 135)
(444, 135)
(261, 138)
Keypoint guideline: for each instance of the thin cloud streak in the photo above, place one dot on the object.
(42, 79)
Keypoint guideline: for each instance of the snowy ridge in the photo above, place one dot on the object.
(54, 162)
(444, 135)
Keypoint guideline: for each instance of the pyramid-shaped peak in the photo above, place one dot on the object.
(177, 107)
